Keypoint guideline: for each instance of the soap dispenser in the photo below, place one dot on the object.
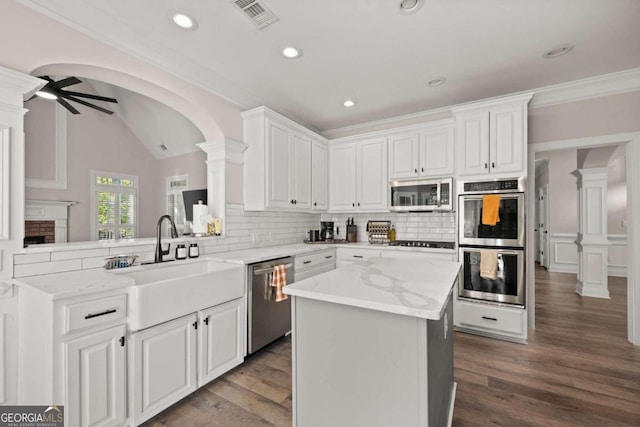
(181, 252)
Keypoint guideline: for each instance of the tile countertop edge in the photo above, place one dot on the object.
(402, 286)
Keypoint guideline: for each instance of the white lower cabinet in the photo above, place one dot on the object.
(222, 339)
(496, 321)
(163, 368)
(171, 360)
(96, 379)
(346, 256)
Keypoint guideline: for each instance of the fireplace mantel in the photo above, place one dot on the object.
(50, 210)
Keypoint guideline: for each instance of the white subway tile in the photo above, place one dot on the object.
(25, 270)
(87, 253)
(31, 258)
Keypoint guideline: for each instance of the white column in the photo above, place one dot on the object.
(593, 244)
(219, 155)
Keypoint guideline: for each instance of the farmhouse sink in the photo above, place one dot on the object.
(167, 291)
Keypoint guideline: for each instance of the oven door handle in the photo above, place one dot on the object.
(438, 193)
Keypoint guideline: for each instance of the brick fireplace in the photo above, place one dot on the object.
(37, 232)
(45, 221)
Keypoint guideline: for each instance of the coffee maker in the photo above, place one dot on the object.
(326, 230)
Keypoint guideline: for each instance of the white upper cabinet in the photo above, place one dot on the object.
(358, 176)
(342, 177)
(492, 136)
(300, 185)
(426, 152)
(403, 155)
(319, 177)
(437, 150)
(277, 163)
(372, 175)
(279, 166)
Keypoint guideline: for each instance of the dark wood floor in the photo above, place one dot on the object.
(577, 370)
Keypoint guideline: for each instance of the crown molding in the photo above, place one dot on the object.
(573, 91)
(26, 83)
(592, 87)
(228, 150)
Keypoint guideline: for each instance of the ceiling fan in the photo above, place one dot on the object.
(54, 90)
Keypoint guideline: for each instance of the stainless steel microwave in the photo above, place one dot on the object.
(421, 195)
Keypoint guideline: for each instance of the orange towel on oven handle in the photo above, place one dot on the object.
(279, 281)
(490, 209)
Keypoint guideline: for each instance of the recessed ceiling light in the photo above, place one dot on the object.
(349, 103)
(291, 52)
(410, 6)
(184, 21)
(558, 51)
(437, 81)
(46, 95)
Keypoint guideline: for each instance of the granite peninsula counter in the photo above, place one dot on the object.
(373, 345)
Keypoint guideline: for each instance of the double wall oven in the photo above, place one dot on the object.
(504, 241)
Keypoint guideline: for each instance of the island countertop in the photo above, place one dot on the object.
(411, 287)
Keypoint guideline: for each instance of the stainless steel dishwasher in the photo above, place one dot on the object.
(268, 320)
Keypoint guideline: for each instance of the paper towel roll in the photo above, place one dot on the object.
(200, 213)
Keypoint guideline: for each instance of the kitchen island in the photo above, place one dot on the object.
(373, 344)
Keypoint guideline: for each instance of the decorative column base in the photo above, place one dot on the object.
(593, 267)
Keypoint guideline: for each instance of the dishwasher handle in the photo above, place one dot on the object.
(269, 269)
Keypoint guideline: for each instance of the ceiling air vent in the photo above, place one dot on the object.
(257, 11)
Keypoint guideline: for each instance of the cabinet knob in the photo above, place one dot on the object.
(422, 169)
(121, 341)
(486, 166)
(291, 202)
(358, 203)
(315, 204)
(415, 170)
(493, 165)
(353, 204)
(295, 202)
(206, 320)
(195, 325)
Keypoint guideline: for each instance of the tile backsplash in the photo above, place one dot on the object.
(440, 226)
(244, 230)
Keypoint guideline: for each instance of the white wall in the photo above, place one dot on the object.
(563, 191)
(604, 115)
(97, 141)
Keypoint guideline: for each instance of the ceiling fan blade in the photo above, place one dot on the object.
(87, 95)
(68, 106)
(80, 101)
(69, 81)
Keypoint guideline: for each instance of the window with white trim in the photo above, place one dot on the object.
(114, 205)
(175, 203)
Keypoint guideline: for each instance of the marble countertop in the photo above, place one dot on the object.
(75, 283)
(83, 282)
(410, 287)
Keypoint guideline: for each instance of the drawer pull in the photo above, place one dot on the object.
(358, 256)
(329, 256)
(307, 262)
(490, 318)
(103, 313)
(121, 341)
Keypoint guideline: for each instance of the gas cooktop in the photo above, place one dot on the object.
(424, 244)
